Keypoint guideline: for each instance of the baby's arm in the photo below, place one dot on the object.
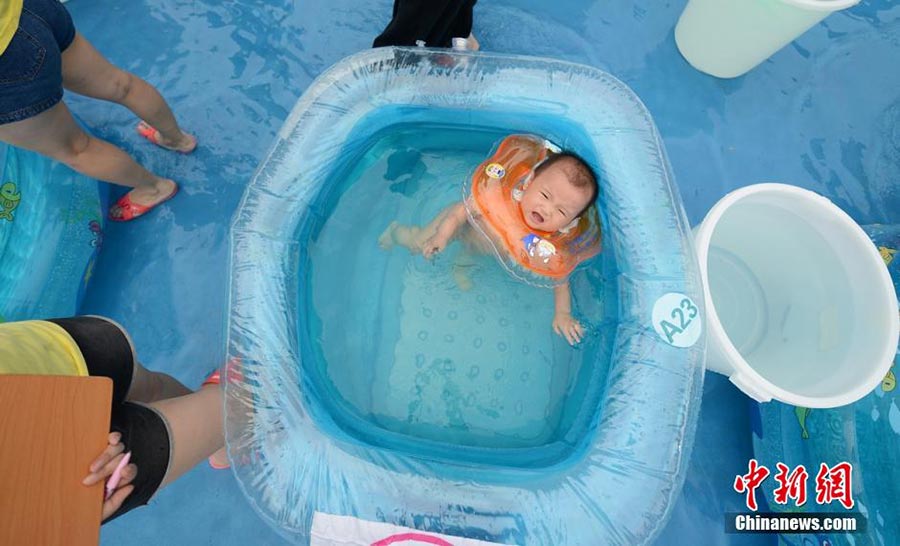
(564, 323)
(453, 219)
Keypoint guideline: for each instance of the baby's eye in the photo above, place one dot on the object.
(561, 211)
(544, 194)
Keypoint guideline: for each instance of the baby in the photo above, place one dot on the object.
(563, 187)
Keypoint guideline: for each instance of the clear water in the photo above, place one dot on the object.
(398, 346)
(791, 311)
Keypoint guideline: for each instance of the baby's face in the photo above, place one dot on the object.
(551, 202)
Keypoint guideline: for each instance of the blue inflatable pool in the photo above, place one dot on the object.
(51, 224)
(372, 384)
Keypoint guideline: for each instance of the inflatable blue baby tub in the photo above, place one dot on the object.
(51, 223)
(375, 395)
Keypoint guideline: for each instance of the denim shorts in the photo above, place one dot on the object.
(31, 66)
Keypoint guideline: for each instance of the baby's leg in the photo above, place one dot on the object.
(462, 267)
(411, 237)
(476, 243)
(398, 234)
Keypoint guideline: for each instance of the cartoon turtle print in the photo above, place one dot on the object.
(9, 200)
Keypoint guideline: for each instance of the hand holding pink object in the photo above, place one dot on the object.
(116, 477)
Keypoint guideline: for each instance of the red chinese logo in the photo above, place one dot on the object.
(750, 481)
(791, 486)
(834, 484)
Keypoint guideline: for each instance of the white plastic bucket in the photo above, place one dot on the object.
(727, 38)
(799, 303)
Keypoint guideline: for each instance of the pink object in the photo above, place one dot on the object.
(116, 477)
(409, 537)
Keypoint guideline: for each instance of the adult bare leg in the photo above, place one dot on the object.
(87, 72)
(411, 237)
(197, 427)
(149, 386)
(55, 134)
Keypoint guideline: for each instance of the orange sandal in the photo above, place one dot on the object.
(129, 210)
(214, 378)
(151, 133)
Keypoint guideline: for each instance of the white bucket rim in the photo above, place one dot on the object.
(702, 241)
(822, 5)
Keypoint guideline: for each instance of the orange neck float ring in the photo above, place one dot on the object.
(492, 201)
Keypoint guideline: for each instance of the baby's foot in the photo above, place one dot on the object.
(386, 240)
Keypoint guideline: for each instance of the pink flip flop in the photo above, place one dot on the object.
(131, 210)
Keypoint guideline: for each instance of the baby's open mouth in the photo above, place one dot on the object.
(537, 217)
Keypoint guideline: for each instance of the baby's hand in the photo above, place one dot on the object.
(433, 246)
(103, 467)
(565, 325)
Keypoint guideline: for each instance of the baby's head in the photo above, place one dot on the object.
(563, 187)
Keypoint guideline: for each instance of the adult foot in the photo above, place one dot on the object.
(185, 143)
(150, 196)
(142, 199)
(386, 240)
(473, 44)
(219, 460)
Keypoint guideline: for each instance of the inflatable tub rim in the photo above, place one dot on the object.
(690, 387)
